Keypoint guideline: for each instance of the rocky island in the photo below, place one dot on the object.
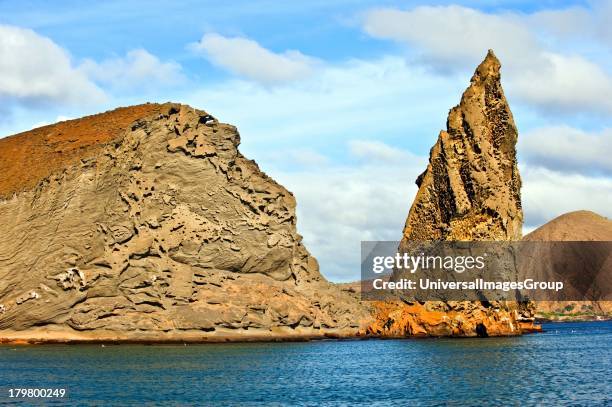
(470, 191)
(147, 224)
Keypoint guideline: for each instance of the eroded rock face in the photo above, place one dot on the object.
(469, 191)
(471, 187)
(162, 231)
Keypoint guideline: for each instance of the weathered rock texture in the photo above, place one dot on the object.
(469, 191)
(146, 223)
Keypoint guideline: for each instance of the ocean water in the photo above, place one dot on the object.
(569, 364)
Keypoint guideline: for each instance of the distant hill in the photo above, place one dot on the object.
(576, 226)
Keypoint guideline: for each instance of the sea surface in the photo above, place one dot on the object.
(569, 364)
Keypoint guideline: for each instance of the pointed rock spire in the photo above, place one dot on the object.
(469, 191)
(488, 68)
(471, 187)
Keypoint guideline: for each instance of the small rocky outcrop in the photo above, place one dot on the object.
(469, 191)
(146, 223)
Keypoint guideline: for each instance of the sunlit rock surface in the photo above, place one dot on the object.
(146, 223)
(469, 191)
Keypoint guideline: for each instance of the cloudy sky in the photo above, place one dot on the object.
(338, 100)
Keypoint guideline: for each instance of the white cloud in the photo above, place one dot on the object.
(248, 59)
(452, 35)
(565, 22)
(339, 206)
(35, 70)
(567, 149)
(295, 157)
(547, 194)
(338, 103)
(137, 68)
(455, 38)
(564, 83)
(372, 150)
(578, 22)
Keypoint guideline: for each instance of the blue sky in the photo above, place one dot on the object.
(338, 100)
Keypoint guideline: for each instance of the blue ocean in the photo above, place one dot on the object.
(568, 364)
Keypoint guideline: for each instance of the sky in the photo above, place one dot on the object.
(339, 101)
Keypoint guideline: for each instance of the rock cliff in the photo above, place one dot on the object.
(469, 191)
(146, 223)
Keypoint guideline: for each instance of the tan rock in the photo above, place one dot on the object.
(158, 229)
(471, 187)
(469, 191)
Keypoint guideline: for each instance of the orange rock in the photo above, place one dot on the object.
(47, 149)
(399, 319)
(530, 327)
(470, 191)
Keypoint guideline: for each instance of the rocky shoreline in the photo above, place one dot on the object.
(195, 337)
(573, 318)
